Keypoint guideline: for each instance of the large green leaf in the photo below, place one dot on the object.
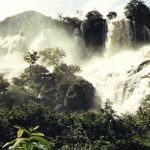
(35, 128)
(19, 141)
(21, 128)
(37, 134)
(24, 146)
(37, 145)
(9, 143)
(19, 133)
(40, 139)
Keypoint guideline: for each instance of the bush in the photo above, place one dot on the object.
(80, 96)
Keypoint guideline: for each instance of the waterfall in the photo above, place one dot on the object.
(119, 35)
(12, 43)
(124, 76)
(58, 37)
(141, 34)
(12, 48)
(93, 33)
(134, 33)
(121, 75)
(146, 33)
(104, 31)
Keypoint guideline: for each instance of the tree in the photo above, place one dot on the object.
(112, 15)
(80, 96)
(94, 15)
(4, 84)
(137, 11)
(36, 79)
(75, 22)
(94, 31)
(60, 16)
(31, 58)
(52, 57)
(5, 99)
(64, 69)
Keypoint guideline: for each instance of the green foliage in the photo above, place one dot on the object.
(5, 97)
(32, 98)
(37, 84)
(4, 84)
(69, 69)
(74, 22)
(52, 57)
(31, 141)
(66, 72)
(112, 15)
(80, 96)
(34, 81)
(19, 94)
(96, 130)
(94, 15)
(136, 10)
(31, 58)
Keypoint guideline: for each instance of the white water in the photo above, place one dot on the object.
(119, 36)
(114, 82)
(146, 32)
(52, 38)
(11, 51)
(113, 75)
(10, 43)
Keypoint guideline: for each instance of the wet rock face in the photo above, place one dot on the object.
(94, 33)
(141, 33)
(23, 29)
(80, 96)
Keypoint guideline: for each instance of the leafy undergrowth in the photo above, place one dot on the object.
(99, 129)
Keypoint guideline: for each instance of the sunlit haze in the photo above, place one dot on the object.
(115, 40)
(67, 7)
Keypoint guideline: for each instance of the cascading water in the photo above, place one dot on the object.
(52, 38)
(134, 33)
(119, 35)
(146, 33)
(104, 31)
(121, 77)
(12, 43)
(12, 48)
(124, 76)
(93, 33)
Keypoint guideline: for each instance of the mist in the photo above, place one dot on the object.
(112, 72)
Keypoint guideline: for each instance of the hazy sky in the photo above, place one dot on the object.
(67, 7)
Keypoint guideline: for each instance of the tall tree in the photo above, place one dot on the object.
(112, 15)
(94, 15)
(52, 56)
(31, 58)
(137, 10)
